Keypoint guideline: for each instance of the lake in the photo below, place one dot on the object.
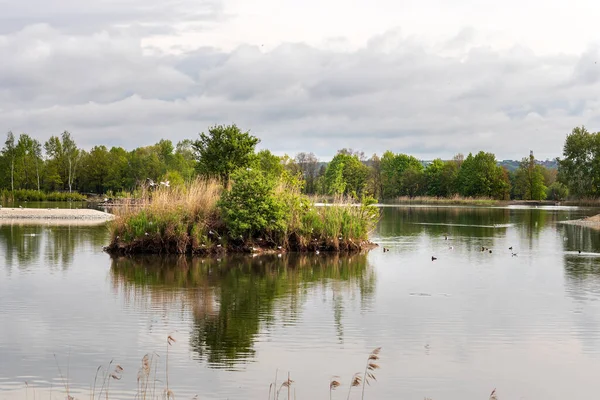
(454, 328)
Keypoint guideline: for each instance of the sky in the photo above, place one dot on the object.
(430, 78)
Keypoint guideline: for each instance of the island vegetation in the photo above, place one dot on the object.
(241, 200)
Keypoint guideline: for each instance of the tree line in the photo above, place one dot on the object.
(60, 165)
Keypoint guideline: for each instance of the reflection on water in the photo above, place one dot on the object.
(24, 244)
(233, 298)
(453, 328)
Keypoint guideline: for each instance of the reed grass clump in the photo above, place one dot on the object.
(254, 214)
(170, 220)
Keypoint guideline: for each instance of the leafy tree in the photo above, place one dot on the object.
(352, 179)
(529, 180)
(579, 170)
(96, 169)
(10, 152)
(269, 164)
(53, 148)
(185, 160)
(223, 150)
(480, 176)
(434, 178)
(374, 181)
(557, 191)
(333, 180)
(308, 164)
(413, 181)
(393, 167)
(28, 151)
(116, 174)
(71, 156)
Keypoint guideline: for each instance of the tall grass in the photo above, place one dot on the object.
(186, 219)
(35, 195)
(454, 200)
(170, 220)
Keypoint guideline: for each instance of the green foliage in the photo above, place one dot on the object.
(251, 206)
(557, 191)
(346, 175)
(579, 170)
(35, 195)
(269, 164)
(529, 180)
(224, 150)
(401, 174)
(479, 176)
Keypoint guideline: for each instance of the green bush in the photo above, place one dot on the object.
(251, 206)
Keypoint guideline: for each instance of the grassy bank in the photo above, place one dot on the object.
(253, 215)
(8, 196)
(454, 200)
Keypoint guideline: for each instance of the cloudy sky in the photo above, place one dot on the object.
(425, 77)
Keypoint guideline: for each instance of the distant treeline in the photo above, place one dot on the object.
(60, 165)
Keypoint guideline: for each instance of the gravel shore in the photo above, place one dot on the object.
(83, 215)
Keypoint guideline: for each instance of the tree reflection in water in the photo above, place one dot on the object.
(234, 299)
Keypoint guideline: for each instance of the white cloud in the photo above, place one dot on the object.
(381, 89)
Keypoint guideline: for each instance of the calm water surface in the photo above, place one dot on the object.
(450, 329)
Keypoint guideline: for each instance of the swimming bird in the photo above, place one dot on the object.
(490, 252)
(451, 248)
(579, 251)
(445, 237)
(433, 258)
(514, 254)
(510, 248)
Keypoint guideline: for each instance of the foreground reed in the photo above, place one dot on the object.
(148, 378)
(205, 218)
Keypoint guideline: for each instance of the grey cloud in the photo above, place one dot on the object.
(394, 93)
(90, 16)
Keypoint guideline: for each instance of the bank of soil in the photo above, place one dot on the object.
(54, 214)
(590, 222)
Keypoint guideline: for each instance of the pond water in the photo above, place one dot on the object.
(453, 328)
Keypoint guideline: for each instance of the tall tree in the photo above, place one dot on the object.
(580, 167)
(529, 180)
(223, 150)
(354, 175)
(71, 156)
(10, 152)
(309, 166)
(480, 176)
(393, 167)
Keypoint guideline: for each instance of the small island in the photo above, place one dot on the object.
(242, 202)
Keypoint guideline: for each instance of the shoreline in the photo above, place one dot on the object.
(62, 215)
(590, 222)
